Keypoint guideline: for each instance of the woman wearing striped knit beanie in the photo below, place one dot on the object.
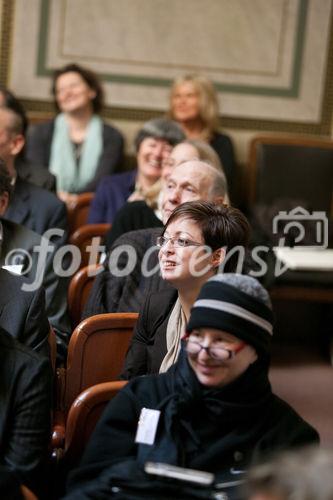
(233, 315)
(213, 410)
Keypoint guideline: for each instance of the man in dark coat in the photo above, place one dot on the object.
(213, 410)
(33, 256)
(23, 314)
(25, 412)
(30, 205)
(31, 172)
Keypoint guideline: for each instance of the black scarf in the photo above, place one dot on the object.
(193, 415)
(200, 428)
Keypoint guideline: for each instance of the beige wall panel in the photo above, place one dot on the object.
(22, 78)
(247, 47)
(160, 38)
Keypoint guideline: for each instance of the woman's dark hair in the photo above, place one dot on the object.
(10, 102)
(221, 226)
(88, 76)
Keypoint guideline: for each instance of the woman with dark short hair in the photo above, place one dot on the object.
(194, 244)
(77, 146)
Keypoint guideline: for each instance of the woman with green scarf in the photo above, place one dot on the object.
(77, 146)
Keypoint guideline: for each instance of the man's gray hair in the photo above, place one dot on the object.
(219, 186)
(246, 284)
(294, 474)
(160, 128)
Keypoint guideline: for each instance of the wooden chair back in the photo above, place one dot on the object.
(87, 235)
(300, 170)
(79, 290)
(291, 167)
(83, 416)
(53, 348)
(97, 351)
(78, 211)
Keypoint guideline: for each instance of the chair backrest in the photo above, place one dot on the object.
(78, 211)
(27, 494)
(97, 351)
(83, 416)
(53, 348)
(291, 167)
(78, 291)
(83, 238)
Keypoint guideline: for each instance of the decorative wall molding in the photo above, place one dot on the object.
(287, 88)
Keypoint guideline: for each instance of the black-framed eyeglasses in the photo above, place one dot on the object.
(217, 352)
(177, 242)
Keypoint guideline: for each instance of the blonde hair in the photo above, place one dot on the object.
(208, 103)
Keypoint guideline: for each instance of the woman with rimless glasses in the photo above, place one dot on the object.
(195, 242)
(213, 410)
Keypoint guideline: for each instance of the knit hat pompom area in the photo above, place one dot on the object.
(236, 304)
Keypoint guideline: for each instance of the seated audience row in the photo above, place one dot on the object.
(206, 332)
(244, 362)
(79, 148)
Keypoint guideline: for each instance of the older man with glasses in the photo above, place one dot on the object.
(189, 181)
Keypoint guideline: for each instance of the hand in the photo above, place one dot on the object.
(67, 198)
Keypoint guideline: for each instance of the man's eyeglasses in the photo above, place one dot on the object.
(177, 242)
(217, 352)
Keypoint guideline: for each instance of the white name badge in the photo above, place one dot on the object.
(147, 426)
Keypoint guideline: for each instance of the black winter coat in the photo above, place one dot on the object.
(221, 430)
(25, 411)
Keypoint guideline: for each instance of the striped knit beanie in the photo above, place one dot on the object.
(236, 304)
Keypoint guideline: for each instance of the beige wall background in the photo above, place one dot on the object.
(270, 60)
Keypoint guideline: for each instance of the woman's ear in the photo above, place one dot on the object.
(253, 355)
(92, 94)
(218, 257)
(4, 202)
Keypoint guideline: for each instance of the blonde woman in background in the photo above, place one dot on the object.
(194, 105)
